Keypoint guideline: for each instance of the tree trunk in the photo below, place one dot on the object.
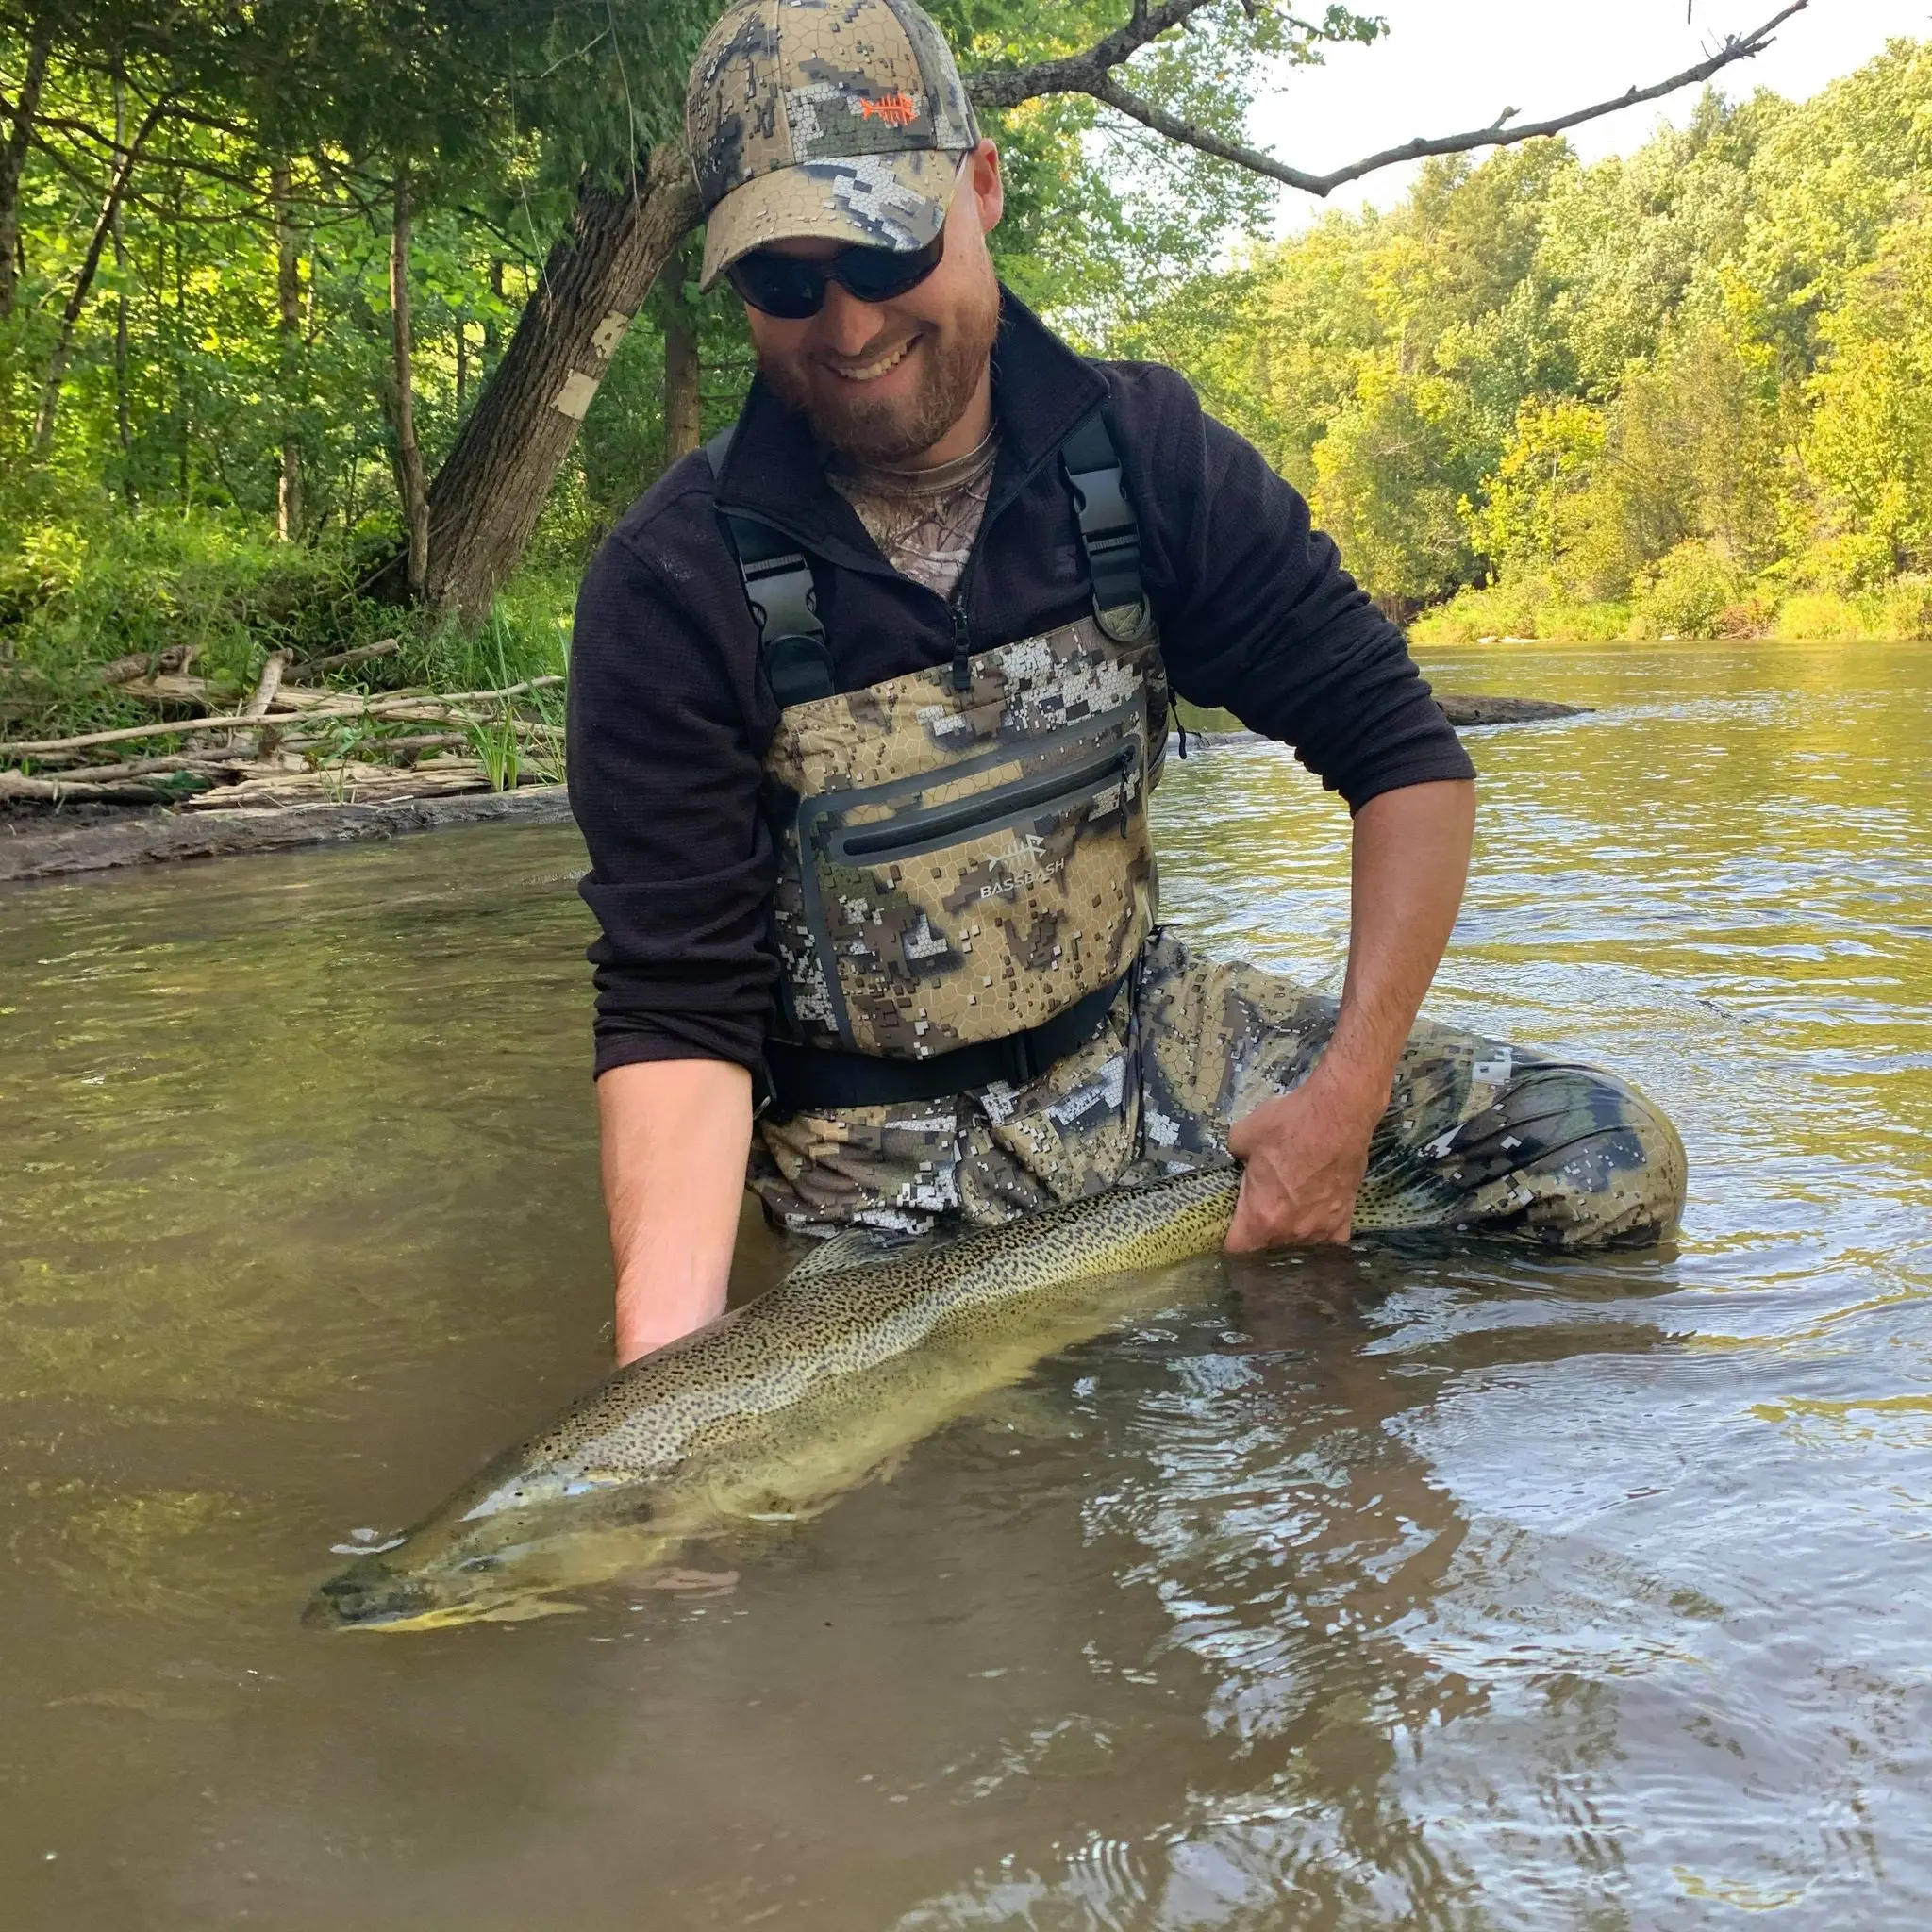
(84, 280)
(487, 498)
(683, 424)
(408, 457)
(13, 156)
(288, 349)
(492, 345)
(122, 423)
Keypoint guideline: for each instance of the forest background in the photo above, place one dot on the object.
(259, 267)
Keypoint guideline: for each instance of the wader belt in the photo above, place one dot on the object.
(811, 1079)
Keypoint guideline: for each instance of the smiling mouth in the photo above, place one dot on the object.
(879, 366)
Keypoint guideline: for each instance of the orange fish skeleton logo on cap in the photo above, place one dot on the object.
(896, 111)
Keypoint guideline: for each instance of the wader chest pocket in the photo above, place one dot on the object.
(983, 897)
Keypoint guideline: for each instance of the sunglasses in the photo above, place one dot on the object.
(794, 289)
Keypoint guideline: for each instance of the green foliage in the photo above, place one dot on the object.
(1686, 593)
(1391, 477)
(84, 581)
(1819, 616)
(1687, 387)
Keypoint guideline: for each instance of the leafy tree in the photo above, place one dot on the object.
(1392, 476)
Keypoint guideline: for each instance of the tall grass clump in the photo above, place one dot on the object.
(86, 581)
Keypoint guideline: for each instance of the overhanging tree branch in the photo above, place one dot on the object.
(1078, 74)
(1093, 74)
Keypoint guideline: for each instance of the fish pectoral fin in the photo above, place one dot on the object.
(691, 1582)
(1029, 1412)
(590, 1481)
(786, 1510)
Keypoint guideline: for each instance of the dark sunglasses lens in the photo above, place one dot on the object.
(781, 285)
(876, 274)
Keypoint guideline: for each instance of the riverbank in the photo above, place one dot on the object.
(257, 804)
(1695, 608)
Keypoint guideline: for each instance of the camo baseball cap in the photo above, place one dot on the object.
(837, 118)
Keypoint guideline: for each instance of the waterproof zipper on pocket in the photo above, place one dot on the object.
(908, 833)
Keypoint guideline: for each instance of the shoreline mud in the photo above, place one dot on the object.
(54, 846)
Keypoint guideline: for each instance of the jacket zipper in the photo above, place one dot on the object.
(963, 643)
(947, 824)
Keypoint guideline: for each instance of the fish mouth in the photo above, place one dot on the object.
(369, 1596)
(372, 1596)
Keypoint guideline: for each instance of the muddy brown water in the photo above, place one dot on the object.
(1446, 1587)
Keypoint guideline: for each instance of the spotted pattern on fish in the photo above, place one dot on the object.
(778, 1405)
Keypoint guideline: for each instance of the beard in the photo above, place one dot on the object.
(953, 356)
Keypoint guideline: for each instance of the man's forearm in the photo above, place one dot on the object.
(675, 1134)
(1410, 862)
(1305, 1152)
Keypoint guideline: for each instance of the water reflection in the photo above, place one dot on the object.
(1422, 1586)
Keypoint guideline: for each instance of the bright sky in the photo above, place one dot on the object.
(1446, 65)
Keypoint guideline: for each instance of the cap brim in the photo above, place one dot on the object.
(897, 201)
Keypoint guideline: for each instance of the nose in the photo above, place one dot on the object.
(846, 325)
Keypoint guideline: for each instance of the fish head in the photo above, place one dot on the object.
(498, 1553)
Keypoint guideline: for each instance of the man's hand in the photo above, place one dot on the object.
(1303, 1156)
(1305, 1152)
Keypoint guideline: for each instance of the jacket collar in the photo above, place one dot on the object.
(1041, 392)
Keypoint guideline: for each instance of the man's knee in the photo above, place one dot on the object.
(1593, 1162)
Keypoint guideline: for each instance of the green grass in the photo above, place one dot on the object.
(85, 580)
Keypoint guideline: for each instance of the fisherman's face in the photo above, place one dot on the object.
(881, 382)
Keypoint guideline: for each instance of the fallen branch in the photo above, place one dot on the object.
(342, 660)
(267, 684)
(409, 709)
(142, 768)
(16, 785)
(116, 671)
(342, 785)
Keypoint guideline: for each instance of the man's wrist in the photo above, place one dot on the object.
(1357, 1089)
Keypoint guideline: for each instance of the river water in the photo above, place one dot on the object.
(1450, 1587)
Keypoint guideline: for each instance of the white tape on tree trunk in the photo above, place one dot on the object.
(610, 331)
(574, 397)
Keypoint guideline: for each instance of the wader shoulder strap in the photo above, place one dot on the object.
(1108, 533)
(779, 586)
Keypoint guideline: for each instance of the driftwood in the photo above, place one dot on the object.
(142, 768)
(411, 708)
(17, 785)
(342, 660)
(50, 849)
(348, 784)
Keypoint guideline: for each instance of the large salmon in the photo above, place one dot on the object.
(777, 1407)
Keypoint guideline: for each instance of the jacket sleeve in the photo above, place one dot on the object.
(1257, 614)
(665, 785)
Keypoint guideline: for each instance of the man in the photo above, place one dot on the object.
(866, 701)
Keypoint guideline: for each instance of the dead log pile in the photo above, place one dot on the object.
(290, 743)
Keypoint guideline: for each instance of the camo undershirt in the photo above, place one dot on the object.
(923, 521)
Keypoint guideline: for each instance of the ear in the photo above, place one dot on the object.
(989, 189)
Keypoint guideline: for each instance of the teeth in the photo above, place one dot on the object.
(870, 371)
